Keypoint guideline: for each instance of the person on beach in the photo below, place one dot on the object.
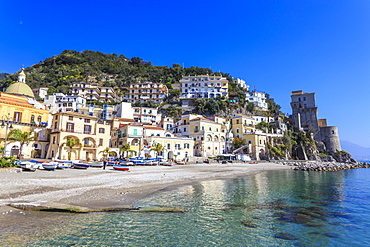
(104, 164)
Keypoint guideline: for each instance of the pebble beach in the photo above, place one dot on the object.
(96, 188)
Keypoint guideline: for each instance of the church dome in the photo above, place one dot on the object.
(20, 88)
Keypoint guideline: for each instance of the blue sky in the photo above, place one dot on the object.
(277, 46)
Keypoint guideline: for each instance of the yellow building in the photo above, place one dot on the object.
(209, 137)
(19, 110)
(179, 148)
(130, 133)
(242, 124)
(93, 134)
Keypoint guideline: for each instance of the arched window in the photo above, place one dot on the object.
(39, 119)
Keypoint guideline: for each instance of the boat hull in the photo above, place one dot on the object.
(50, 166)
(121, 168)
(80, 166)
(96, 164)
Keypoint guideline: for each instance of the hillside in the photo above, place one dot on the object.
(58, 72)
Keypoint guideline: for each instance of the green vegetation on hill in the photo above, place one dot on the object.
(3, 76)
(117, 71)
(58, 72)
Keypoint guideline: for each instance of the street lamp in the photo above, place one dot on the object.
(7, 125)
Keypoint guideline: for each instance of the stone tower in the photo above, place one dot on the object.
(304, 118)
(304, 112)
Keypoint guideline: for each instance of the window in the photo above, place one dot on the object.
(101, 130)
(70, 127)
(186, 145)
(53, 139)
(87, 120)
(168, 145)
(210, 128)
(70, 118)
(86, 141)
(101, 142)
(184, 129)
(202, 127)
(135, 132)
(39, 119)
(55, 125)
(32, 118)
(17, 117)
(56, 117)
(177, 146)
(87, 129)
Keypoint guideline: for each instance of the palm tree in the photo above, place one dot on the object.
(106, 152)
(124, 148)
(157, 147)
(72, 142)
(22, 137)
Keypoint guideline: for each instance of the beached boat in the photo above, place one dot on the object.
(126, 163)
(121, 167)
(138, 161)
(50, 166)
(96, 164)
(80, 166)
(28, 166)
(180, 162)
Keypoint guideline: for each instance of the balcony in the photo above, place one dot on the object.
(87, 146)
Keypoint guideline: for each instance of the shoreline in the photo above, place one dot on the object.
(98, 189)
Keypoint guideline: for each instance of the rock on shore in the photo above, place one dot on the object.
(323, 166)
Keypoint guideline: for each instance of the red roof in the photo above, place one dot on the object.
(153, 127)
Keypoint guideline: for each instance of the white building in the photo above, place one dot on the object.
(124, 110)
(259, 119)
(258, 99)
(241, 83)
(92, 91)
(146, 91)
(147, 115)
(59, 102)
(202, 86)
(41, 91)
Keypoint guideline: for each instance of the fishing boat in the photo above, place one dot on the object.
(96, 164)
(50, 166)
(121, 167)
(126, 163)
(80, 166)
(27, 166)
(62, 164)
(138, 161)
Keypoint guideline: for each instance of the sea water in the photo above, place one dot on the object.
(272, 208)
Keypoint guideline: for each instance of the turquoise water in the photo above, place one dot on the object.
(274, 208)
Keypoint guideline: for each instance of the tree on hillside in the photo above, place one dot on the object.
(238, 142)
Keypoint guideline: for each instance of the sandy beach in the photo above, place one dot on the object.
(96, 188)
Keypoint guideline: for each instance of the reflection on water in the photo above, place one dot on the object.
(289, 208)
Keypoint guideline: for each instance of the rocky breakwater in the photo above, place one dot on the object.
(323, 166)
